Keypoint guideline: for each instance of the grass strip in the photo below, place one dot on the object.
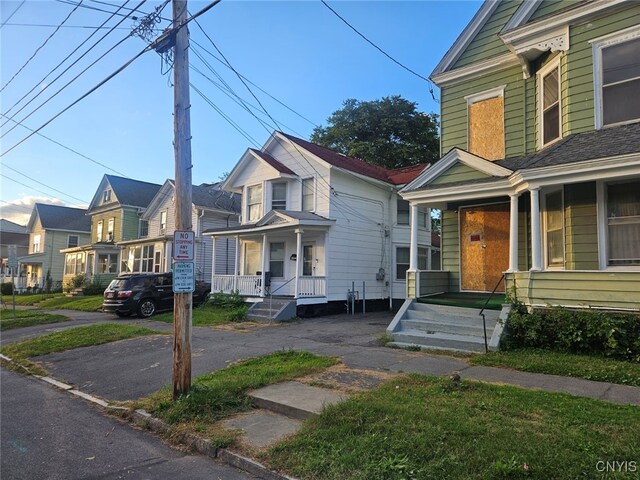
(30, 298)
(419, 427)
(208, 315)
(600, 369)
(86, 336)
(84, 304)
(27, 318)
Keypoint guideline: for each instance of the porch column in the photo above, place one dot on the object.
(298, 233)
(235, 264)
(213, 258)
(536, 240)
(513, 234)
(263, 265)
(413, 249)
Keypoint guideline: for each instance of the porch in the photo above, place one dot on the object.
(303, 287)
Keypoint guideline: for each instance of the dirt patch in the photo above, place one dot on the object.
(346, 379)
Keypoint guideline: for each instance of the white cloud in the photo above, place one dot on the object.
(19, 210)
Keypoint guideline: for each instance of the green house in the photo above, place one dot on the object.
(539, 178)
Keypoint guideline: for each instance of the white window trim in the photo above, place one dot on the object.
(543, 213)
(37, 243)
(286, 193)
(166, 219)
(543, 72)
(247, 205)
(99, 230)
(597, 45)
(313, 192)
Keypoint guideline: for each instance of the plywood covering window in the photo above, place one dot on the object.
(486, 124)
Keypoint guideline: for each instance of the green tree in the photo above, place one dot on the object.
(390, 132)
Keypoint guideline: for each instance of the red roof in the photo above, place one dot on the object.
(272, 161)
(435, 239)
(398, 176)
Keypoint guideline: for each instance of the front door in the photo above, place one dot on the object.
(308, 260)
(484, 246)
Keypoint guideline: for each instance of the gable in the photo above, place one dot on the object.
(547, 7)
(458, 172)
(99, 199)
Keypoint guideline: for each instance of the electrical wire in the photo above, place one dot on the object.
(48, 25)
(13, 13)
(39, 183)
(17, 205)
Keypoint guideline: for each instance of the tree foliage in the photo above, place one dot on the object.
(390, 132)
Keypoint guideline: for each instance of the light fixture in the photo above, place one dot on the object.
(294, 257)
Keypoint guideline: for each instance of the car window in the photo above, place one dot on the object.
(162, 280)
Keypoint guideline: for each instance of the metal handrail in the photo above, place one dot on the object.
(274, 291)
(484, 322)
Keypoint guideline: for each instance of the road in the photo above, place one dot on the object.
(46, 434)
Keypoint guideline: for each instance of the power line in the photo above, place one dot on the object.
(49, 25)
(13, 13)
(39, 183)
(39, 48)
(382, 51)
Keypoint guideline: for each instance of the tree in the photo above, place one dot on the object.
(390, 132)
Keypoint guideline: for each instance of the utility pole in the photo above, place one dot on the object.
(182, 306)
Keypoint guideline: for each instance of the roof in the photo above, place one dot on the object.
(210, 195)
(14, 238)
(580, 147)
(296, 215)
(56, 217)
(272, 161)
(132, 192)
(9, 226)
(435, 239)
(355, 165)
(264, 222)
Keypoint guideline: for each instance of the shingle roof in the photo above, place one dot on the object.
(211, 196)
(579, 147)
(9, 226)
(14, 238)
(63, 218)
(272, 161)
(395, 177)
(133, 192)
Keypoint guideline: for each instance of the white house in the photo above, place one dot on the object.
(152, 250)
(316, 225)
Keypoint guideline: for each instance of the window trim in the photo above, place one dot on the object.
(69, 241)
(426, 252)
(106, 195)
(111, 229)
(284, 256)
(99, 230)
(162, 227)
(545, 238)
(286, 194)
(597, 45)
(313, 194)
(248, 205)
(140, 223)
(553, 64)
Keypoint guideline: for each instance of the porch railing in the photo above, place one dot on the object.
(312, 286)
(249, 285)
(222, 283)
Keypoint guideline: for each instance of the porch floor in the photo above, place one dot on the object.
(466, 300)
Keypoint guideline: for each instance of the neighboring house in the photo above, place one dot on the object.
(11, 234)
(211, 208)
(114, 217)
(51, 228)
(540, 178)
(317, 225)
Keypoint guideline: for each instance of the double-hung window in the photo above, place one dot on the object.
(403, 214)
(276, 259)
(308, 195)
(254, 203)
(554, 229)
(403, 258)
(623, 223)
(36, 243)
(99, 227)
(163, 221)
(279, 196)
(549, 94)
(72, 241)
(110, 229)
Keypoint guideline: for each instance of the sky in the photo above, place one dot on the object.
(298, 52)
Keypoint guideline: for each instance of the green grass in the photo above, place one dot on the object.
(29, 298)
(221, 393)
(601, 369)
(86, 336)
(208, 315)
(468, 300)
(27, 318)
(420, 427)
(85, 304)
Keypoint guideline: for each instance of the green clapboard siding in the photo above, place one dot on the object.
(486, 43)
(548, 6)
(458, 173)
(581, 228)
(130, 225)
(451, 248)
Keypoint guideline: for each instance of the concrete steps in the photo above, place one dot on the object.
(276, 309)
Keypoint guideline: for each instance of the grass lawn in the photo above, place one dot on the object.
(602, 369)
(216, 395)
(29, 298)
(85, 304)
(27, 318)
(86, 336)
(207, 315)
(419, 427)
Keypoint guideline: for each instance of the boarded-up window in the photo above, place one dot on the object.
(486, 128)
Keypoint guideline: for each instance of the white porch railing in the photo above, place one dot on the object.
(249, 285)
(312, 286)
(222, 283)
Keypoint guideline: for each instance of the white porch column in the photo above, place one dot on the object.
(536, 237)
(513, 234)
(298, 233)
(263, 264)
(213, 258)
(235, 264)
(413, 249)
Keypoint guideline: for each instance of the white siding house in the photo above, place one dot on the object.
(315, 224)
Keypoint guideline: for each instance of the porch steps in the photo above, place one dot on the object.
(276, 309)
(444, 327)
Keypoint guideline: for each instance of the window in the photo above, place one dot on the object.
(138, 259)
(403, 214)
(147, 259)
(549, 94)
(163, 221)
(307, 260)
(308, 195)
(110, 227)
(106, 196)
(623, 223)
(279, 196)
(99, 227)
(72, 241)
(617, 77)
(403, 261)
(554, 229)
(107, 263)
(251, 258)
(157, 263)
(485, 132)
(74, 264)
(254, 203)
(36, 243)
(144, 228)
(276, 259)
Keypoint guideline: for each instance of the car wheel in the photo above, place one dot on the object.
(146, 308)
(122, 314)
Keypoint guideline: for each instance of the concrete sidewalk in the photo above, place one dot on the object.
(134, 368)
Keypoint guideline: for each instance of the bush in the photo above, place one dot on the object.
(231, 300)
(95, 287)
(79, 281)
(590, 332)
(6, 288)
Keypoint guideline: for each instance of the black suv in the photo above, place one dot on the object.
(145, 294)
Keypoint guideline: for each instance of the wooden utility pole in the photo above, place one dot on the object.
(182, 306)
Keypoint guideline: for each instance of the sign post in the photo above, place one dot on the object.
(13, 265)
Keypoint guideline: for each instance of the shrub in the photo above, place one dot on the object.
(78, 281)
(95, 287)
(6, 288)
(231, 300)
(591, 332)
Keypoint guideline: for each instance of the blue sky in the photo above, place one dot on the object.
(298, 52)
